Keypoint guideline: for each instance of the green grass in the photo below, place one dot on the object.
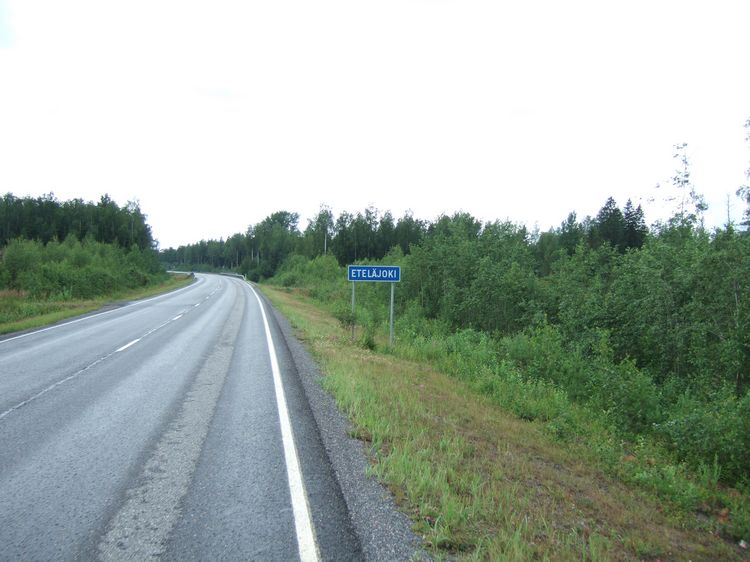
(19, 312)
(482, 483)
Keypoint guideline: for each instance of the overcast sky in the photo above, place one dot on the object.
(215, 114)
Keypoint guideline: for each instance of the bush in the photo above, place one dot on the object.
(322, 276)
(719, 429)
(543, 354)
(91, 282)
(18, 257)
(343, 313)
(74, 269)
(627, 395)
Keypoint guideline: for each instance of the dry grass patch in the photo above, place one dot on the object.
(478, 482)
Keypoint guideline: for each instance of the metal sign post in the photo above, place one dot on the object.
(390, 336)
(376, 273)
(353, 316)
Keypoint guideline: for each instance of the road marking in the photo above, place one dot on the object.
(52, 387)
(141, 528)
(74, 375)
(308, 550)
(159, 327)
(56, 326)
(127, 345)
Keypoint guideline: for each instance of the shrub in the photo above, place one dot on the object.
(718, 428)
(343, 313)
(21, 256)
(627, 395)
(75, 269)
(543, 354)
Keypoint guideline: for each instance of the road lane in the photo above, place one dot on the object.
(167, 474)
(153, 431)
(40, 359)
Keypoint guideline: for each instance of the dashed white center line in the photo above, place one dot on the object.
(141, 527)
(51, 387)
(127, 345)
(97, 315)
(95, 363)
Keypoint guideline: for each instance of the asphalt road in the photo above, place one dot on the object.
(171, 429)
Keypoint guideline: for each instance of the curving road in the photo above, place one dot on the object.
(170, 428)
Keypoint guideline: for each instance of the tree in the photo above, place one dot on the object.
(277, 237)
(365, 228)
(409, 231)
(386, 237)
(635, 226)
(139, 232)
(235, 250)
(319, 232)
(547, 250)
(444, 266)
(343, 244)
(571, 234)
(691, 205)
(608, 227)
(462, 225)
(744, 191)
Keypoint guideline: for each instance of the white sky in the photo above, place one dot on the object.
(215, 114)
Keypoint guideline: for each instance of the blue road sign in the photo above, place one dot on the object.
(381, 273)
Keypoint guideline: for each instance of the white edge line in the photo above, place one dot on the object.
(136, 303)
(308, 550)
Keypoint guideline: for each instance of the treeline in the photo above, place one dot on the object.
(678, 305)
(369, 235)
(655, 336)
(263, 248)
(45, 219)
(650, 326)
(52, 250)
(674, 299)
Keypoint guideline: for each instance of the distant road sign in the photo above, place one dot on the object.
(381, 273)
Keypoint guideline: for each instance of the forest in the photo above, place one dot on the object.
(632, 340)
(647, 328)
(45, 218)
(55, 251)
(260, 251)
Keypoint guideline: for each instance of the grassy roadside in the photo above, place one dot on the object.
(18, 312)
(478, 482)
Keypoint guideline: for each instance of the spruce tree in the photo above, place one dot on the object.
(635, 226)
(609, 226)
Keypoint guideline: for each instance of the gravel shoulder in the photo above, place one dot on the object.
(383, 531)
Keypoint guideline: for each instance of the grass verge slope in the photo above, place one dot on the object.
(479, 483)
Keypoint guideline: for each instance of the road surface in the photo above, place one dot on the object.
(173, 428)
